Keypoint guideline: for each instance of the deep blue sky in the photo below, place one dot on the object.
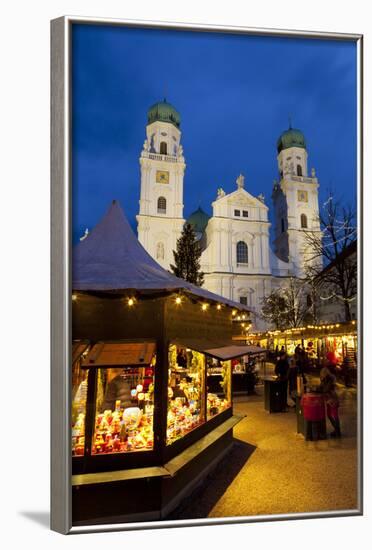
(234, 94)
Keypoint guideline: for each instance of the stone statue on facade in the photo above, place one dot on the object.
(261, 197)
(220, 193)
(240, 181)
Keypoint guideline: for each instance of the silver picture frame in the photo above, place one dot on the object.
(61, 207)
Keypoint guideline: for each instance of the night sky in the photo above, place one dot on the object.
(234, 93)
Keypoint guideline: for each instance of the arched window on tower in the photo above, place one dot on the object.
(163, 148)
(162, 205)
(160, 251)
(299, 170)
(303, 221)
(241, 253)
(283, 225)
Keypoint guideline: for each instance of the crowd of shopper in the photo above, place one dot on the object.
(292, 372)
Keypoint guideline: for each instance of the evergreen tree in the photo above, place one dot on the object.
(187, 257)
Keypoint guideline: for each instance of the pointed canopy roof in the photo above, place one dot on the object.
(111, 258)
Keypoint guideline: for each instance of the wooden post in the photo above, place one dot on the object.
(161, 390)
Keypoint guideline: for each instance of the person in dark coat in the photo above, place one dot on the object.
(292, 380)
(117, 389)
(282, 366)
(300, 358)
(282, 372)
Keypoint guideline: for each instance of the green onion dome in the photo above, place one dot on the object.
(164, 112)
(198, 220)
(291, 138)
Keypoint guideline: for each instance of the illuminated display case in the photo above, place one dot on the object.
(186, 392)
(116, 421)
(139, 402)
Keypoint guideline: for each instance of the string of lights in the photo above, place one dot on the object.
(179, 299)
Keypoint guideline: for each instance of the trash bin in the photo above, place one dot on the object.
(313, 410)
(275, 395)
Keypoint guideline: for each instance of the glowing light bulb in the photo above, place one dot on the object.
(130, 302)
(233, 313)
(218, 306)
(74, 297)
(204, 307)
(178, 300)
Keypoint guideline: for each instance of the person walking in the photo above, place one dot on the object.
(328, 387)
(282, 372)
(300, 358)
(292, 381)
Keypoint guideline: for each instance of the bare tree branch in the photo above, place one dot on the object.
(338, 232)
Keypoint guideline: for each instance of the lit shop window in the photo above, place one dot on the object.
(124, 410)
(79, 397)
(218, 387)
(186, 392)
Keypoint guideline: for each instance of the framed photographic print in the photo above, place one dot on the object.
(206, 261)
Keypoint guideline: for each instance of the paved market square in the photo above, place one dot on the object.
(273, 470)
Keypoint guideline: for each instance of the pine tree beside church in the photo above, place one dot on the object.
(187, 257)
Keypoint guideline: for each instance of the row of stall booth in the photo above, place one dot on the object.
(152, 362)
(338, 339)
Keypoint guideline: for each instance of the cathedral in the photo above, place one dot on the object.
(237, 259)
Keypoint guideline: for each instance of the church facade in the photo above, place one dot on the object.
(237, 259)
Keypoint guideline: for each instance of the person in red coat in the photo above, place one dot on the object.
(328, 387)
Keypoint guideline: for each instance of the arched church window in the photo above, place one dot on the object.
(163, 148)
(160, 251)
(162, 205)
(303, 221)
(299, 170)
(241, 253)
(283, 226)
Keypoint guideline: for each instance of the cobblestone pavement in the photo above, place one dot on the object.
(273, 470)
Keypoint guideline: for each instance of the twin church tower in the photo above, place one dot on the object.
(237, 259)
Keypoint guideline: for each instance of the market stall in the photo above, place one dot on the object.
(146, 426)
(316, 340)
(245, 371)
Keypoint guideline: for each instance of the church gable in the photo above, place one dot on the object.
(240, 205)
(241, 197)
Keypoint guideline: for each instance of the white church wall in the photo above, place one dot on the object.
(239, 220)
(160, 219)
